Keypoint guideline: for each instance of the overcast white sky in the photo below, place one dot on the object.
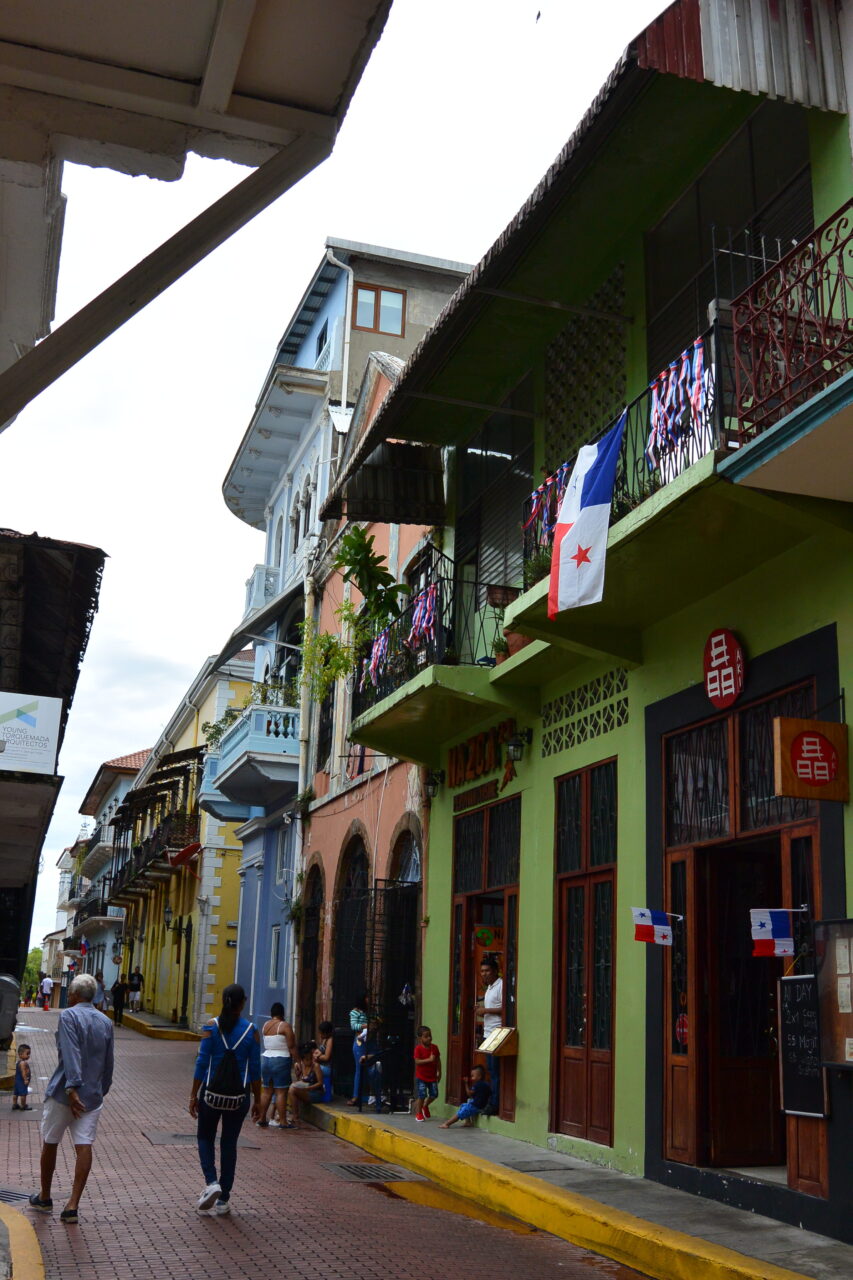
(463, 106)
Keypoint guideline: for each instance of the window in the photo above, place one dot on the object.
(275, 950)
(325, 729)
(380, 310)
(322, 339)
(283, 855)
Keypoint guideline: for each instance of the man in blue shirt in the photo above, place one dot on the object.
(75, 1094)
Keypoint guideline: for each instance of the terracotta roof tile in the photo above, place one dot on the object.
(134, 761)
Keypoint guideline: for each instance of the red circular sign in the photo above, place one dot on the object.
(814, 759)
(724, 667)
(681, 1028)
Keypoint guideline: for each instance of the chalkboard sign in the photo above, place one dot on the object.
(803, 1084)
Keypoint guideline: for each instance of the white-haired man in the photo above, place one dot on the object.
(76, 1091)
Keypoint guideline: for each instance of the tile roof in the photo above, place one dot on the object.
(135, 760)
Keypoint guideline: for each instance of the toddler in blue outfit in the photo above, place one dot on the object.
(479, 1092)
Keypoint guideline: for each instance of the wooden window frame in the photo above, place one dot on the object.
(376, 290)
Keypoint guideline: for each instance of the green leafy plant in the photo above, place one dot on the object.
(537, 567)
(214, 730)
(368, 572)
(325, 659)
(302, 803)
(500, 645)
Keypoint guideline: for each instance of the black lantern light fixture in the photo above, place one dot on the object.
(167, 915)
(515, 745)
(433, 782)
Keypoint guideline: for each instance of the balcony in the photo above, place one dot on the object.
(71, 946)
(211, 799)
(261, 587)
(94, 908)
(71, 895)
(429, 674)
(793, 349)
(99, 850)
(258, 761)
(150, 860)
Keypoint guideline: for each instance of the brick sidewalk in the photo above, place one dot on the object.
(292, 1217)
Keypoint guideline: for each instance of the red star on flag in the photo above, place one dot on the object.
(581, 556)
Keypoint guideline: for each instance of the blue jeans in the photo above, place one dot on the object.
(357, 1051)
(232, 1123)
(494, 1068)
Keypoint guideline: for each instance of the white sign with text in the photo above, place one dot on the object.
(29, 732)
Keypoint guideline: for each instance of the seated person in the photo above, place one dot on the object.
(479, 1092)
(307, 1084)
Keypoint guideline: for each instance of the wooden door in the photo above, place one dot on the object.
(745, 1124)
(584, 1065)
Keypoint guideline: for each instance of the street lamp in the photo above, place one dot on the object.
(167, 915)
(515, 745)
(433, 782)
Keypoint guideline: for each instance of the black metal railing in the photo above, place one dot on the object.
(93, 907)
(452, 621)
(76, 888)
(173, 833)
(686, 412)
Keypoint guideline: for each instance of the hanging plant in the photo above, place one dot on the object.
(368, 572)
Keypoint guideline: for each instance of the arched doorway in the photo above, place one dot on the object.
(349, 976)
(309, 956)
(395, 958)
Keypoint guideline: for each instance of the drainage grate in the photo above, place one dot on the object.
(10, 1196)
(537, 1166)
(159, 1138)
(373, 1173)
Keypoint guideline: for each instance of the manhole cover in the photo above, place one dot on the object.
(373, 1173)
(159, 1138)
(9, 1196)
(537, 1166)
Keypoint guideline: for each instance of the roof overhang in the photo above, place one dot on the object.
(27, 801)
(288, 403)
(251, 628)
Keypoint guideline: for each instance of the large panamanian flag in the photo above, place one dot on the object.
(580, 537)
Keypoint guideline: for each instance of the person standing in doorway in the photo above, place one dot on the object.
(76, 1092)
(490, 1009)
(226, 1080)
(135, 984)
(46, 991)
(119, 995)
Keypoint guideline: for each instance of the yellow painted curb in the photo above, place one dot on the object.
(157, 1033)
(657, 1251)
(24, 1248)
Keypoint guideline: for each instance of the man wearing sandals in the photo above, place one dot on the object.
(75, 1094)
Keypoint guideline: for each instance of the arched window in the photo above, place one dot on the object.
(294, 526)
(278, 543)
(407, 859)
(306, 509)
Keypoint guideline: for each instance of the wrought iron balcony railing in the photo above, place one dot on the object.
(793, 328)
(452, 621)
(93, 907)
(174, 832)
(685, 413)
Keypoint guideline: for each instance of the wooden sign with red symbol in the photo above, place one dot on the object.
(810, 759)
(724, 668)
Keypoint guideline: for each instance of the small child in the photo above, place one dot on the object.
(22, 1079)
(427, 1073)
(479, 1092)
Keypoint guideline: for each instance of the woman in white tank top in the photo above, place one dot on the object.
(279, 1047)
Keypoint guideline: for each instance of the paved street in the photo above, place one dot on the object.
(292, 1216)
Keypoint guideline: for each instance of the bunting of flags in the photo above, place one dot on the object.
(679, 388)
(423, 617)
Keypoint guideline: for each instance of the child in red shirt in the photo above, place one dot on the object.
(427, 1073)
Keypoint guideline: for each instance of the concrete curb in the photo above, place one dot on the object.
(156, 1033)
(657, 1251)
(24, 1252)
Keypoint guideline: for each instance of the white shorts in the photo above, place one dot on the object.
(57, 1117)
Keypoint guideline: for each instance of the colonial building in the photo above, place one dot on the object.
(286, 759)
(685, 262)
(173, 868)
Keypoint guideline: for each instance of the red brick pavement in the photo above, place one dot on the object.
(291, 1217)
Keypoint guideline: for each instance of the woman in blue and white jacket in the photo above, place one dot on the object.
(228, 1031)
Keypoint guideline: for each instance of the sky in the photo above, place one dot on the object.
(461, 109)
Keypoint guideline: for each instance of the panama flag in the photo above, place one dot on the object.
(771, 932)
(84, 947)
(580, 538)
(652, 926)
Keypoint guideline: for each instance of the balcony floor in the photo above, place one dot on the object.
(257, 778)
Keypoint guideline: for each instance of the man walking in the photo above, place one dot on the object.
(119, 995)
(135, 983)
(46, 989)
(75, 1094)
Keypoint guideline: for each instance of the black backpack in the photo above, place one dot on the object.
(227, 1090)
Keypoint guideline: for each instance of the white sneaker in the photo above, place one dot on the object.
(208, 1196)
(371, 1101)
(273, 1124)
(221, 1208)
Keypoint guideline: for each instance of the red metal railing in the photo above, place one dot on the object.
(793, 328)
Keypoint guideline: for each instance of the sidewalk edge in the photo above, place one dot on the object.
(24, 1249)
(660, 1252)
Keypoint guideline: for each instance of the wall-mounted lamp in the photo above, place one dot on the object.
(167, 915)
(515, 745)
(433, 782)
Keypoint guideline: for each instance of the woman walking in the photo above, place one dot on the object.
(276, 1065)
(227, 1070)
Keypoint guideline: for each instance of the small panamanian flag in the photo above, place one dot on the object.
(652, 926)
(772, 934)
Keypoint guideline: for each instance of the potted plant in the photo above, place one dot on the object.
(500, 648)
(537, 567)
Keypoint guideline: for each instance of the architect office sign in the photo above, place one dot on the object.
(29, 733)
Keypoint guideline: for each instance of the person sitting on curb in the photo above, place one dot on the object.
(308, 1084)
(479, 1092)
(76, 1092)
